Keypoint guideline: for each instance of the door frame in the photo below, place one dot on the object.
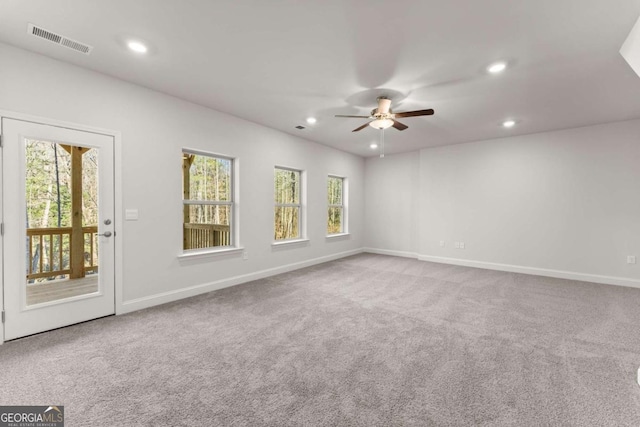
(118, 218)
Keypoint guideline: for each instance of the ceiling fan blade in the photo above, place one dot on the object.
(428, 112)
(357, 117)
(399, 125)
(360, 128)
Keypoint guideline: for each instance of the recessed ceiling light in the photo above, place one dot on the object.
(509, 123)
(497, 67)
(373, 146)
(137, 47)
(311, 120)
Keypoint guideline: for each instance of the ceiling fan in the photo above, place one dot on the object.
(383, 118)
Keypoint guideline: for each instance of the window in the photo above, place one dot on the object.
(207, 198)
(336, 216)
(288, 206)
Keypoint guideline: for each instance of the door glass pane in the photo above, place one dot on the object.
(61, 184)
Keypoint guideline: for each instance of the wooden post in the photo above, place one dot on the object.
(77, 235)
(187, 161)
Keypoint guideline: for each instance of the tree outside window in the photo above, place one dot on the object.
(287, 204)
(335, 195)
(207, 185)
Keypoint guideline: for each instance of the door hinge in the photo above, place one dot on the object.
(2, 316)
(1, 228)
(1, 140)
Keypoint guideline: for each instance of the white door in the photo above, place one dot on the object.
(58, 243)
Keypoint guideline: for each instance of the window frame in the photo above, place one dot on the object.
(232, 203)
(344, 223)
(302, 231)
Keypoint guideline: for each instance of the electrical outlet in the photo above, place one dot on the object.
(457, 245)
(442, 243)
(631, 259)
(245, 255)
(461, 245)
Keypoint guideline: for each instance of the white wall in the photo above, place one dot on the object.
(155, 127)
(391, 203)
(563, 202)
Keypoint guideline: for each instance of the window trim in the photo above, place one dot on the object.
(234, 216)
(345, 197)
(192, 254)
(289, 242)
(302, 223)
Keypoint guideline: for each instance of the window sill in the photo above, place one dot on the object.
(338, 235)
(209, 253)
(291, 242)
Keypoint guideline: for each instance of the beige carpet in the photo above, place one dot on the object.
(368, 340)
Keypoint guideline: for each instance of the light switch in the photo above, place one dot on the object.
(131, 214)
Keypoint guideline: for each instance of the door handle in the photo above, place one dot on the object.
(106, 234)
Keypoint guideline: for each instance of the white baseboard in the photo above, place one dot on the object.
(571, 275)
(178, 294)
(390, 252)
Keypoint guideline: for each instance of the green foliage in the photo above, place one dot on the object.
(334, 198)
(43, 184)
(287, 186)
(287, 192)
(334, 190)
(334, 224)
(209, 180)
(49, 205)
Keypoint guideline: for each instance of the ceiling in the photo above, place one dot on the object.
(278, 62)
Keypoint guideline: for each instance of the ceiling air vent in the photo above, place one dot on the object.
(58, 39)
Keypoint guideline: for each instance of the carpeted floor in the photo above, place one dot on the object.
(368, 340)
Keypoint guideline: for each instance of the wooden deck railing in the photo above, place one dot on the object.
(49, 251)
(197, 236)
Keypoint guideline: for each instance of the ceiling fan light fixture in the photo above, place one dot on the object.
(384, 105)
(311, 120)
(373, 145)
(509, 123)
(381, 123)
